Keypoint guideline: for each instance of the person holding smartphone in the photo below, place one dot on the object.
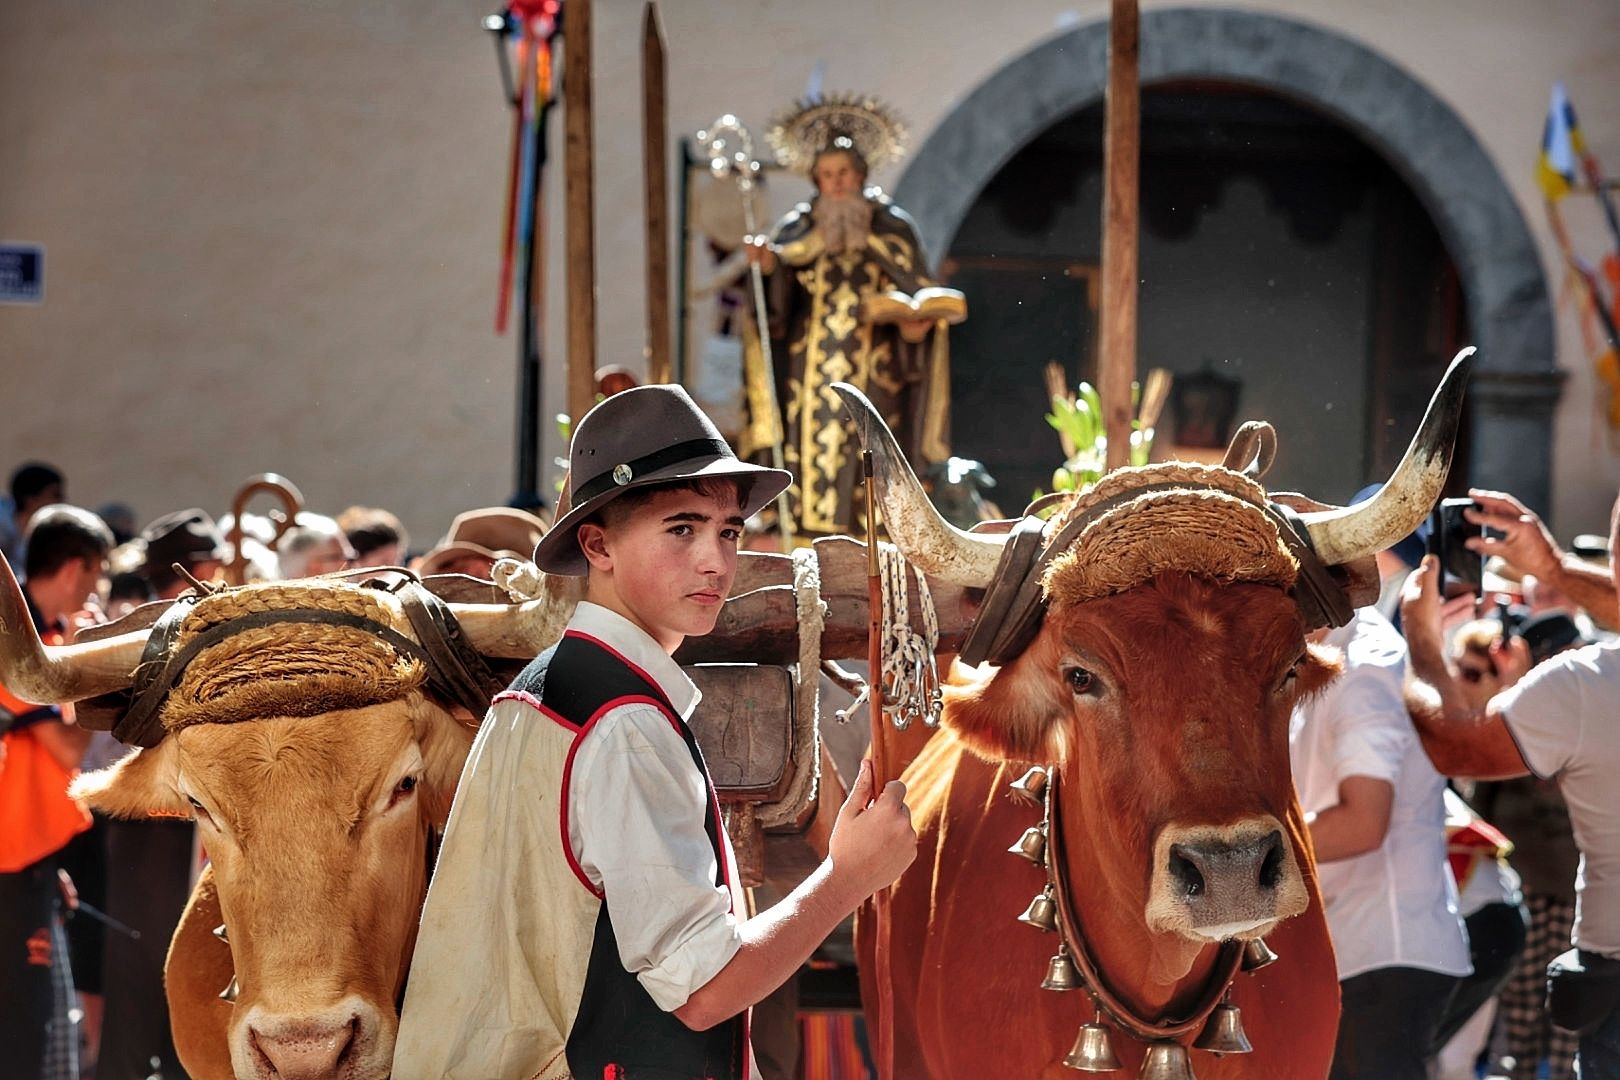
(1557, 723)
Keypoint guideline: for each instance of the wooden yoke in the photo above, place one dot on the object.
(760, 623)
(745, 722)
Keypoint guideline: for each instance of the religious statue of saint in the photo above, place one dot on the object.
(849, 299)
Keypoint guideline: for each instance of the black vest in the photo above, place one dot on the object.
(620, 1032)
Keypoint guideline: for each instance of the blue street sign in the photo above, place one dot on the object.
(22, 274)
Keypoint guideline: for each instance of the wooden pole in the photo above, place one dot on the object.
(579, 160)
(1121, 195)
(883, 1035)
(655, 171)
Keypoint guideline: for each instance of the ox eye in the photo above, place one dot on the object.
(199, 809)
(1080, 680)
(1291, 675)
(403, 789)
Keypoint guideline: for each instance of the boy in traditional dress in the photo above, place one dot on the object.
(585, 917)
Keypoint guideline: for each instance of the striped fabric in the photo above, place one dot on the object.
(833, 1047)
(62, 1039)
(1530, 1035)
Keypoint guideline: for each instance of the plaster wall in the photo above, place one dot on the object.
(272, 230)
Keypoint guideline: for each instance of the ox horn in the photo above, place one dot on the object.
(929, 542)
(1353, 532)
(50, 674)
(522, 631)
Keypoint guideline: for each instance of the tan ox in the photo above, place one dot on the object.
(317, 760)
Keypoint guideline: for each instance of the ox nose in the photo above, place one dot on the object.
(1201, 867)
(1213, 883)
(305, 1052)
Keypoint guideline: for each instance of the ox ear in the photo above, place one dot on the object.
(443, 741)
(1016, 712)
(144, 783)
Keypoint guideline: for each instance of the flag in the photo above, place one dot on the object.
(1561, 147)
(812, 88)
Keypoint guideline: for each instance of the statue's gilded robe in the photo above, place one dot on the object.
(818, 338)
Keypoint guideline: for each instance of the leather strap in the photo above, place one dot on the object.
(458, 669)
(139, 726)
(1322, 598)
(985, 638)
(158, 673)
(1014, 607)
(457, 673)
(1227, 960)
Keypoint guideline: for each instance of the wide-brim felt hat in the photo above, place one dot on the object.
(635, 439)
(494, 532)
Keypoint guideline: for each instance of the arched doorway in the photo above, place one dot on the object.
(1504, 294)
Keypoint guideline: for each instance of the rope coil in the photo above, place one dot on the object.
(910, 671)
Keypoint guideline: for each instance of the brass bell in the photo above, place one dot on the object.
(219, 932)
(1223, 1033)
(1032, 845)
(1042, 911)
(231, 990)
(1093, 1050)
(1257, 954)
(1061, 973)
(1167, 1061)
(1032, 785)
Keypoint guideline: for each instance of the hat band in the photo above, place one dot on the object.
(629, 471)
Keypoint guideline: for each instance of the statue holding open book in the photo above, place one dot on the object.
(849, 299)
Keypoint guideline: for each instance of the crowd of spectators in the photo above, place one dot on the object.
(88, 904)
(1458, 779)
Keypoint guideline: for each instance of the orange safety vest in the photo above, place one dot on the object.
(37, 815)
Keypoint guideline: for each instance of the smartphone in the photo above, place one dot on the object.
(1504, 616)
(1461, 570)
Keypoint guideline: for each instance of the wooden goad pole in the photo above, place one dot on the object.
(883, 1038)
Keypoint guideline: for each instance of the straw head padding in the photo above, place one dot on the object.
(1214, 527)
(293, 668)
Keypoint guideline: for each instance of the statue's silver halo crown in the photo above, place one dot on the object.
(871, 128)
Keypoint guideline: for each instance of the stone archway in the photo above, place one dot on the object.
(1517, 383)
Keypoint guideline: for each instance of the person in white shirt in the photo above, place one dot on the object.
(585, 917)
(1561, 722)
(1377, 820)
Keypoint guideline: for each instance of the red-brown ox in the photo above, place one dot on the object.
(316, 760)
(1158, 690)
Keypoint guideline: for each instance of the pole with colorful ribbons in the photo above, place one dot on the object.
(1563, 151)
(524, 34)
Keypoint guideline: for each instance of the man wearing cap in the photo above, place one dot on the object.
(585, 917)
(188, 537)
(1558, 723)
